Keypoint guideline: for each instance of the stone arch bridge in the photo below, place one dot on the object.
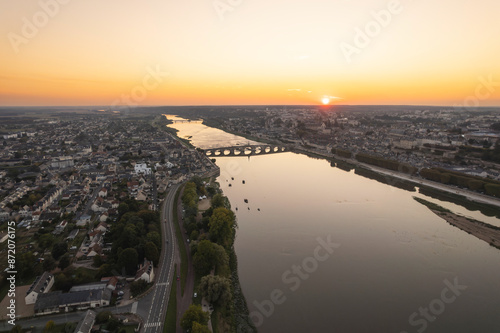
(247, 150)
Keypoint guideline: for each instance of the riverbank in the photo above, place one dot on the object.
(486, 232)
(239, 316)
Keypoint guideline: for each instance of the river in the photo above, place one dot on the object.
(324, 250)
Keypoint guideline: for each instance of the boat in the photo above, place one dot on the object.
(246, 200)
(230, 185)
(243, 181)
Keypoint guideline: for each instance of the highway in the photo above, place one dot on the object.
(153, 307)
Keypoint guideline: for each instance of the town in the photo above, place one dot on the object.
(66, 180)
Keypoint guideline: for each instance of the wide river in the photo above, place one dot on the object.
(325, 250)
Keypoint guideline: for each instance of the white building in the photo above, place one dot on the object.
(142, 168)
(145, 272)
(41, 285)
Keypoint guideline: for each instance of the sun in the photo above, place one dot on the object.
(325, 100)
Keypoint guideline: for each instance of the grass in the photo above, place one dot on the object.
(180, 241)
(215, 321)
(170, 323)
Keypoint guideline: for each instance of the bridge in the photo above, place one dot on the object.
(181, 121)
(248, 150)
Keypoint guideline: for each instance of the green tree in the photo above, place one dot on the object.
(154, 237)
(222, 226)
(49, 264)
(59, 249)
(103, 317)
(199, 328)
(122, 208)
(193, 314)
(219, 200)
(64, 262)
(151, 253)
(138, 287)
(17, 329)
(45, 241)
(129, 259)
(205, 258)
(215, 289)
(49, 326)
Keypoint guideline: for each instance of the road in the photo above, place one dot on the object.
(153, 307)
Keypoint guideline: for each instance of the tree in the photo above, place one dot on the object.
(199, 328)
(49, 326)
(222, 224)
(17, 329)
(103, 317)
(138, 287)
(122, 208)
(193, 314)
(205, 258)
(59, 249)
(218, 200)
(129, 259)
(154, 237)
(45, 241)
(215, 289)
(151, 253)
(64, 261)
(49, 264)
(97, 262)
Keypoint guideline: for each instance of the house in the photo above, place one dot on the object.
(102, 227)
(142, 168)
(85, 325)
(41, 285)
(72, 234)
(103, 193)
(111, 281)
(145, 272)
(83, 220)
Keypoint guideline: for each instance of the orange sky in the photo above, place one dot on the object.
(76, 52)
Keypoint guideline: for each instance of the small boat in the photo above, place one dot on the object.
(230, 185)
(246, 200)
(236, 208)
(232, 178)
(248, 208)
(243, 182)
(258, 209)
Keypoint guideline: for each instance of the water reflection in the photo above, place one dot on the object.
(393, 258)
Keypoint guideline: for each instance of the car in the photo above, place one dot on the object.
(195, 294)
(121, 293)
(177, 277)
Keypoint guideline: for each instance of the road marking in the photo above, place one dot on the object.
(162, 284)
(134, 308)
(152, 324)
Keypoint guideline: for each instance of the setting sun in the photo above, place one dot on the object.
(325, 100)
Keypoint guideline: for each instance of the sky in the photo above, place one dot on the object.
(255, 52)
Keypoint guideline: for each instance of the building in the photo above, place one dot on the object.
(85, 325)
(142, 168)
(57, 302)
(41, 285)
(62, 162)
(145, 272)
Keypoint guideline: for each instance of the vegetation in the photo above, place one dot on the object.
(135, 237)
(385, 163)
(214, 260)
(194, 315)
(216, 289)
(475, 183)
